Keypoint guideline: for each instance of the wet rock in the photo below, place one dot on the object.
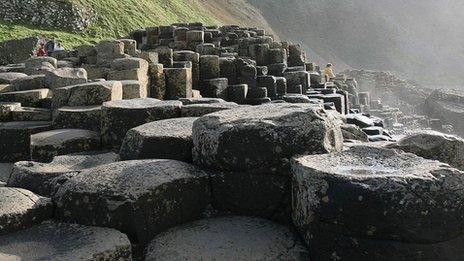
(166, 139)
(227, 238)
(434, 145)
(120, 116)
(45, 178)
(198, 110)
(378, 193)
(60, 241)
(48, 144)
(276, 132)
(140, 198)
(20, 208)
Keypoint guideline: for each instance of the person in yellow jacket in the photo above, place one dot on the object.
(328, 72)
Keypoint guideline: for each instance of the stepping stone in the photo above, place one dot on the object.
(275, 132)
(31, 114)
(65, 77)
(46, 145)
(165, 139)
(5, 171)
(140, 198)
(45, 178)
(28, 83)
(198, 110)
(391, 195)
(6, 109)
(15, 137)
(118, 117)
(78, 117)
(188, 101)
(87, 94)
(31, 98)
(8, 77)
(227, 238)
(20, 209)
(359, 120)
(60, 241)
(434, 145)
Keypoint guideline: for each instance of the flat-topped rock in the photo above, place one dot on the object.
(78, 117)
(275, 132)
(65, 77)
(120, 116)
(140, 198)
(45, 178)
(20, 208)
(296, 98)
(129, 63)
(30, 98)
(15, 137)
(46, 145)
(132, 89)
(227, 238)
(352, 132)
(391, 196)
(434, 145)
(87, 94)
(6, 109)
(165, 139)
(31, 114)
(188, 101)
(60, 241)
(28, 83)
(200, 109)
(8, 77)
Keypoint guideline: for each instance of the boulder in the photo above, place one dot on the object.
(31, 98)
(65, 77)
(20, 209)
(120, 116)
(45, 178)
(377, 193)
(48, 144)
(78, 117)
(276, 132)
(87, 94)
(434, 145)
(8, 77)
(165, 139)
(227, 238)
(60, 241)
(140, 198)
(198, 110)
(15, 139)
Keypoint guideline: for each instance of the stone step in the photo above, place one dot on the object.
(48, 144)
(8, 77)
(30, 98)
(6, 88)
(78, 117)
(15, 139)
(60, 241)
(88, 94)
(6, 109)
(31, 114)
(198, 110)
(32, 82)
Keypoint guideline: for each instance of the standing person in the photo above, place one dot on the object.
(328, 72)
(50, 46)
(41, 51)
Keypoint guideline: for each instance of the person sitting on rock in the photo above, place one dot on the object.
(328, 72)
(41, 51)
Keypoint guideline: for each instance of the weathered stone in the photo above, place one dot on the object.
(107, 51)
(31, 114)
(276, 132)
(165, 139)
(353, 132)
(83, 117)
(298, 78)
(17, 50)
(157, 87)
(178, 83)
(40, 65)
(230, 237)
(45, 178)
(228, 69)
(188, 101)
(215, 88)
(132, 89)
(150, 57)
(391, 196)
(95, 72)
(65, 77)
(8, 77)
(61, 241)
(434, 145)
(259, 53)
(6, 110)
(120, 116)
(198, 110)
(27, 83)
(296, 98)
(140, 198)
(209, 67)
(269, 82)
(88, 94)
(48, 144)
(165, 56)
(124, 64)
(237, 93)
(5, 171)
(359, 120)
(15, 137)
(130, 46)
(31, 98)
(6, 88)
(257, 93)
(20, 208)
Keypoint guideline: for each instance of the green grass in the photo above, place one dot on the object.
(116, 18)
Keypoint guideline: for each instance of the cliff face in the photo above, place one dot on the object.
(417, 39)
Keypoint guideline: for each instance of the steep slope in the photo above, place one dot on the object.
(418, 39)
